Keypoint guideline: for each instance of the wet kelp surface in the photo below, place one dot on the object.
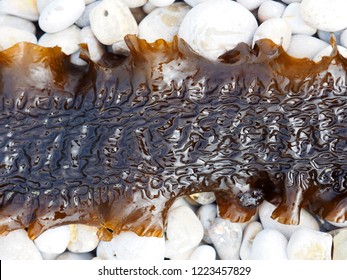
(114, 143)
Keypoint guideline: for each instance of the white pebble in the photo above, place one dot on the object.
(291, 1)
(111, 21)
(251, 4)
(17, 246)
(87, 2)
(16, 22)
(194, 2)
(54, 241)
(326, 36)
(249, 234)
(83, 238)
(327, 52)
(129, 246)
(340, 245)
(302, 46)
(67, 39)
(48, 256)
(75, 59)
(270, 9)
(306, 220)
(134, 3)
(161, 3)
(292, 15)
(327, 15)
(307, 244)
(41, 4)
(275, 29)
(120, 48)
(183, 232)
(204, 198)
(95, 48)
(269, 244)
(68, 256)
(83, 20)
(343, 42)
(183, 256)
(226, 238)
(213, 27)
(204, 253)
(207, 214)
(148, 7)
(26, 9)
(11, 36)
(163, 23)
(60, 14)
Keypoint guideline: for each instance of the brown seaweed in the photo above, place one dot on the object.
(114, 143)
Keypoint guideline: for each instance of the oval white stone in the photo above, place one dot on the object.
(26, 9)
(213, 27)
(161, 3)
(67, 39)
(249, 234)
(16, 22)
(163, 23)
(343, 42)
(11, 36)
(203, 253)
(18, 246)
(60, 14)
(306, 220)
(307, 244)
(207, 214)
(302, 46)
(54, 241)
(41, 4)
(275, 29)
(68, 256)
(292, 15)
(291, 1)
(83, 20)
(251, 4)
(327, 52)
(83, 238)
(340, 244)
(270, 9)
(95, 48)
(134, 3)
(194, 2)
(269, 244)
(326, 36)
(111, 21)
(327, 15)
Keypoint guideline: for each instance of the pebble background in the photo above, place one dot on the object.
(194, 230)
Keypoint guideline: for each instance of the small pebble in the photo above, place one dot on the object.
(67, 39)
(48, 256)
(54, 240)
(83, 238)
(327, 15)
(134, 3)
(18, 246)
(306, 220)
(213, 27)
(203, 253)
(251, 4)
(307, 244)
(269, 244)
(193, 3)
(129, 246)
(60, 14)
(11, 36)
(16, 22)
(204, 198)
(87, 2)
(111, 21)
(183, 232)
(292, 15)
(95, 48)
(340, 244)
(270, 9)
(207, 214)
(226, 238)
(302, 46)
(68, 256)
(183, 256)
(148, 7)
(249, 234)
(326, 36)
(163, 23)
(83, 20)
(328, 51)
(291, 1)
(275, 29)
(343, 42)
(26, 9)
(41, 4)
(161, 3)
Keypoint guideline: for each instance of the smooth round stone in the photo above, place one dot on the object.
(182, 256)
(207, 214)
(226, 238)
(67, 39)
(343, 42)
(213, 27)
(270, 9)
(204, 198)
(328, 52)
(163, 23)
(275, 29)
(87, 2)
(41, 4)
(54, 241)
(306, 220)
(251, 4)
(327, 15)
(11, 36)
(26, 9)
(120, 48)
(269, 244)
(18, 23)
(83, 20)
(18, 246)
(340, 244)
(183, 232)
(148, 7)
(129, 246)
(68, 256)
(134, 3)
(194, 2)
(48, 256)
(75, 59)
(111, 21)
(326, 36)
(249, 234)
(60, 14)
(292, 15)
(161, 3)
(95, 48)
(83, 238)
(203, 253)
(303, 46)
(291, 1)
(182, 201)
(307, 244)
